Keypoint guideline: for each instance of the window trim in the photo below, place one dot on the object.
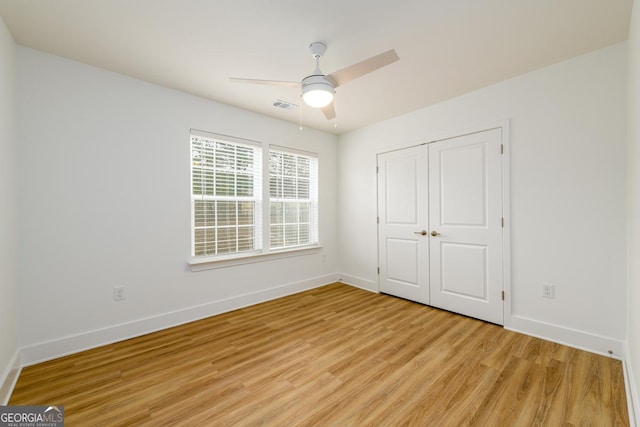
(265, 253)
(202, 264)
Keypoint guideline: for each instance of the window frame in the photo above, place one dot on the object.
(263, 251)
(257, 197)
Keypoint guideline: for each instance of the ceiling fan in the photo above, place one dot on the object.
(318, 89)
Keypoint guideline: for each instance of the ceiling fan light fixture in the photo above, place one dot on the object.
(317, 92)
(318, 98)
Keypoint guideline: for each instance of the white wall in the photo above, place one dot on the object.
(104, 200)
(8, 212)
(633, 206)
(568, 128)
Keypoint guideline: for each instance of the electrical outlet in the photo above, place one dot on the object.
(118, 293)
(548, 290)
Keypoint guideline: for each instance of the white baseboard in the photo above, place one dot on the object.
(358, 282)
(10, 377)
(72, 344)
(633, 401)
(571, 337)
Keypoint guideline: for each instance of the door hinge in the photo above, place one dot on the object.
(502, 222)
(501, 148)
(377, 169)
(378, 220)
(378, 270)
(502, 295)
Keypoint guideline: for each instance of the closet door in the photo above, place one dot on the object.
(465, 225)
(403, 241)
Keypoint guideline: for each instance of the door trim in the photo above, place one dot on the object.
(504, 126)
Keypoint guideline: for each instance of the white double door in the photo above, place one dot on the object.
(441, 223)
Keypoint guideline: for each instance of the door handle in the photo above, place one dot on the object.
(434, 233)
(423, 232)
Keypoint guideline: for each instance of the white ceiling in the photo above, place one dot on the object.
(446, 47)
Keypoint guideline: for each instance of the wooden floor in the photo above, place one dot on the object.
(333, 356)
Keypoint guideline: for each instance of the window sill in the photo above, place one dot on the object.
(213, 263)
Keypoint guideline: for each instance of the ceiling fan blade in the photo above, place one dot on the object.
(345, 75)
(265, 82)
(329, 111)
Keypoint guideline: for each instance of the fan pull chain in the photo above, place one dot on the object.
(300, 112)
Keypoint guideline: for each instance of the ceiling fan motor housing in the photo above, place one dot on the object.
(316, 82)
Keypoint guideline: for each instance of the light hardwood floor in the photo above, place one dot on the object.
(332, 356)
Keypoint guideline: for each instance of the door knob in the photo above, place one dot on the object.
(423, 232)
(434, 233)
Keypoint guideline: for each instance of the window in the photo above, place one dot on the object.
(293, 199)
(225, 196)
(232, 215)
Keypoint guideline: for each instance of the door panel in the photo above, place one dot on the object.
(402, 261)
(401, 182)
(464, 270)
(465, 212)
(462, 195)
(403, 214)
